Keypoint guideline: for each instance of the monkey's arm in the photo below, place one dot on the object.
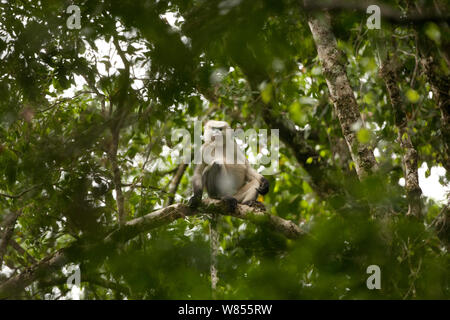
(197, 186)
(252, 174)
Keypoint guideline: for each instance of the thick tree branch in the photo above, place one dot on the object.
(341, 93)
(15, 285)
(388, 71)
(440, 86)
(171, 213)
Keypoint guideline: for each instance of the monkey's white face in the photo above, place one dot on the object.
(215, 129)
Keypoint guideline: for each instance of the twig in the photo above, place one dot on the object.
(7, 234)
(16, 196)
(176, 182)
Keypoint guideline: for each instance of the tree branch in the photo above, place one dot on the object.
(16, 196)
(125, 61)
(117, 175)
(16, 284)
(341, 93)
(388, 71)
(10, 223)
(22, 251)
(176, 182)
(115, 131)
(440, 86)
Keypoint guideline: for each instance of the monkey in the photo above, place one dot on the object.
(231, 180)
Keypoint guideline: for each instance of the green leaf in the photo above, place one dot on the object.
(412, 95)
(433, 32)
(295, 112)
(405, 136)
(266, 93)
(306, 187)
(369, 98)
(363, 135)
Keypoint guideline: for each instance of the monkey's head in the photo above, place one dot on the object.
(214, 129)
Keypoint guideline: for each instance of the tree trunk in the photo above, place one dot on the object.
(341, 93)
(388, 71)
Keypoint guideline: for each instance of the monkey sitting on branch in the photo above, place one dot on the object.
(225, 171)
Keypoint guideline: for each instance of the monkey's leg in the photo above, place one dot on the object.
(248, 192)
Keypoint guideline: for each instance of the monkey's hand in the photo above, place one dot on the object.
(263, 186)
(231, 203)
(194, 201)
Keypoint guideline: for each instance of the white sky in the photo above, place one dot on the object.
(431, 187)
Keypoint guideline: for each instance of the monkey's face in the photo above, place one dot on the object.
(215, 131)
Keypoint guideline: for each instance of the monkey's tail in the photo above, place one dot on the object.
(214, 251)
